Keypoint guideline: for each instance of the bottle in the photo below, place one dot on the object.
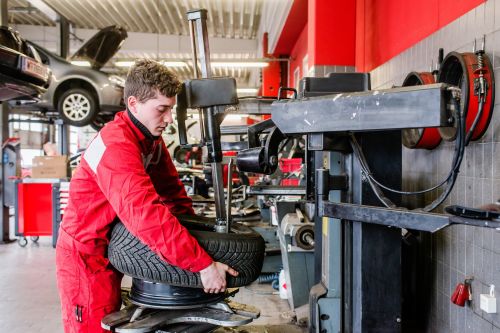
(282, 289)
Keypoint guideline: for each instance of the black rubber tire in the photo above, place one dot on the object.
(242, 250)
(100, 120)
(89, 98)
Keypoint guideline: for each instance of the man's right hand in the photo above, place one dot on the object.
(213, 277)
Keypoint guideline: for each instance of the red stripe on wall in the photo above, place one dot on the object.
(332, 32)
(385, 28)
(295, 22)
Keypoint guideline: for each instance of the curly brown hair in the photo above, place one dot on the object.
(146, 77)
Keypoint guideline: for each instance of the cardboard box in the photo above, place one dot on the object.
(50, 167)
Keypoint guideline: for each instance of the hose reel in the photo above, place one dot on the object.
(473, 74)
(427, 138)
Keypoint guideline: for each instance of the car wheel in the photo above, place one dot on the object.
(77, 107)
(242, 249)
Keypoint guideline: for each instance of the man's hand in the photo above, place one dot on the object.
(213, 277)
(492, 207)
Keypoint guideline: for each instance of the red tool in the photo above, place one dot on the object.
(462, 293)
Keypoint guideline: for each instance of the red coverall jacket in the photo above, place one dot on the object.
(123, 174)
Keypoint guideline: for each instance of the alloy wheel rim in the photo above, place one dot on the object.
(76, 107)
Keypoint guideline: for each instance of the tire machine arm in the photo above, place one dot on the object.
(210, 96)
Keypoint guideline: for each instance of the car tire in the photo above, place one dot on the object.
(243, 250)
(77, 107)
(100, 120)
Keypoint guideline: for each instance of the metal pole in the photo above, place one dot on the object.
(4, 134)
(210, 126)
(193, 47)
(62, 137)
(4, 13)
(64, 37)
(4, 214)
(229, 193)
(63, 129)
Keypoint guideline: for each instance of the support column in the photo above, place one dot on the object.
(63, 129)
(64, 37)
(4, 135)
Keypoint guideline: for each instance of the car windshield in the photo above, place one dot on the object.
(43, 50)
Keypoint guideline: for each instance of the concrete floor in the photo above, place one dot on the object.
(29, 301)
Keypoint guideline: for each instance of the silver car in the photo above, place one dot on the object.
(81, 95)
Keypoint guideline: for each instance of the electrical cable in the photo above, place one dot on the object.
(476, 120)
(457, 160)
(450, 174)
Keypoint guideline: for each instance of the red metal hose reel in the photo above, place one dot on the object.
(464, 71)
(427, 138)
(473, 74)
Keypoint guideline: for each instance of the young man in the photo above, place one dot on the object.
(126, 173)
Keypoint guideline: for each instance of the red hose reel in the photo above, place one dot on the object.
(427, 138)
(464, 71)
(473, 74)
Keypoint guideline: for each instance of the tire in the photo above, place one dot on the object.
(242, 250)
(77, 107)
(100, 120)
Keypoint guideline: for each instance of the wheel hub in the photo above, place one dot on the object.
(163, 296)
(164, 308)
(76, 107)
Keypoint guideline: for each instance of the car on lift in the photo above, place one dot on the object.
(22, 73)
(81, 95)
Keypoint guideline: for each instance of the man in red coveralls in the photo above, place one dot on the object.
(126, 172)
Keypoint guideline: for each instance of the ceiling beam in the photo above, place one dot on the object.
(45, 9)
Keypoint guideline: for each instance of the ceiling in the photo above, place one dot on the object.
(227, 18)
(230, 19)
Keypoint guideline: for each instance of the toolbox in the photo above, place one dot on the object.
(35, 213)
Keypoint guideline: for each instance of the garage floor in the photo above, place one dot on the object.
(29, 301)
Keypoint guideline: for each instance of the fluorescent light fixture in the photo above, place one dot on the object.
(82, 63)
(174, 63)
(240, 64)
(247, 90)
(219, 64)
(124, 63)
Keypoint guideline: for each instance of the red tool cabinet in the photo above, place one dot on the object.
(34, 209)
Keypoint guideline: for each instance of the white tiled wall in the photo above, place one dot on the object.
(457, 251)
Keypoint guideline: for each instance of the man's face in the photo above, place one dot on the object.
(155, 113)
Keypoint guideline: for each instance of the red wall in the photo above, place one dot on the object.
(385, 28)
(294, 24)
(298, 53)
(332, 32)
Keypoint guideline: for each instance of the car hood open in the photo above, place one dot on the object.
(102, 47)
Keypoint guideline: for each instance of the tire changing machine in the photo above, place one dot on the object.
(352, 136)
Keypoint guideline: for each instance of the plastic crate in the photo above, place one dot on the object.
(290, 164)
(290, 182)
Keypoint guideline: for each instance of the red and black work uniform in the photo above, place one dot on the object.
(125, 173)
